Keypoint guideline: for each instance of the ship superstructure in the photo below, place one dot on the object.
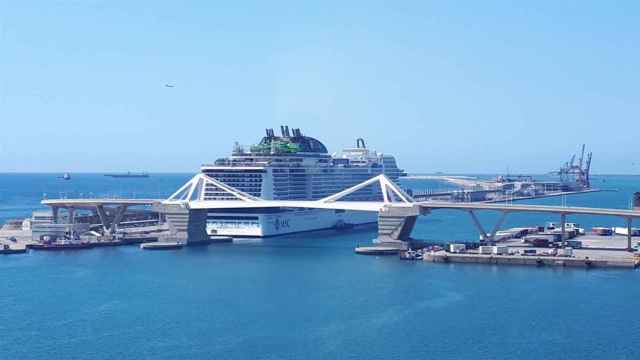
(293, 166)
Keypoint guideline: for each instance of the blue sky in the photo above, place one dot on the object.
(455, 86)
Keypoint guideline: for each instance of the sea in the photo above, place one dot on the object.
(307, 296)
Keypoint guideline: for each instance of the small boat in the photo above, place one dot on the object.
(411, 255)
(377, 250)
(56, 246)
(65, 176)
(211, 240)
(108, 243)
(162, 245)
(220, 239)
(132, 240)
(7, 250)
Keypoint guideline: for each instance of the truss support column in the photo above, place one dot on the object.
(385, 195)
(498, 225)
(106, 225)
(563, 228)
(186, 225)
(395, 225)
(629, 233)
(119, 215)
(483, 233)
(72, 215)
(55, 211)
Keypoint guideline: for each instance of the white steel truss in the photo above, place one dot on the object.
(390, 191)
(194, 190)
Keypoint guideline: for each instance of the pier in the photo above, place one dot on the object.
(581, 258)
(101, 207)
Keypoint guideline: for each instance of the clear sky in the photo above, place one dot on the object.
(454, 86)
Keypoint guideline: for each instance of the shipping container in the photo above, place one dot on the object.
(553, 236)
(602, 231)
(624, 231)
(540, 242)
(485, 250)
(576, 244)
(501, 250)
(457, 248)
(549, 238)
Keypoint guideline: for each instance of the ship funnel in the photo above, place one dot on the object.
(282, 131)
(360, 143)
(286, 131)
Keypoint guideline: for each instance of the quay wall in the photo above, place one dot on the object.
(444, 257)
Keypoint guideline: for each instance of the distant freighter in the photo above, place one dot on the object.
(128, 174)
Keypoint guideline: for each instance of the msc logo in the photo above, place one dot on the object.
(281, 223)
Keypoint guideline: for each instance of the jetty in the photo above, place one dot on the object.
(580, 258)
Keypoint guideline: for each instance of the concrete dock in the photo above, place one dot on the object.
(22, 241)
(581, 258)
(595, 251)
(19, 241)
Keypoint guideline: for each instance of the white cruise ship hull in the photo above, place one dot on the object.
(283, 222)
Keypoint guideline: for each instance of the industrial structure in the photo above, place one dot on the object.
(64, 221)
(573, 177)
(576, 174)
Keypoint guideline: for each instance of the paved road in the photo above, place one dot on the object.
(531, 208)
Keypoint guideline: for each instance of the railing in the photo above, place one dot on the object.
(105, 195)
(428, 192)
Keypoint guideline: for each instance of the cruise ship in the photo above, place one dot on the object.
(293, 166)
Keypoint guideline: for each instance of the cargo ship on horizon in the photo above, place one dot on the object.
(128, 174)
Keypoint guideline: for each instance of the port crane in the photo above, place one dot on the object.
(577, 173)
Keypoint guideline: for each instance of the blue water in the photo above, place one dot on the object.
(305, 296)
